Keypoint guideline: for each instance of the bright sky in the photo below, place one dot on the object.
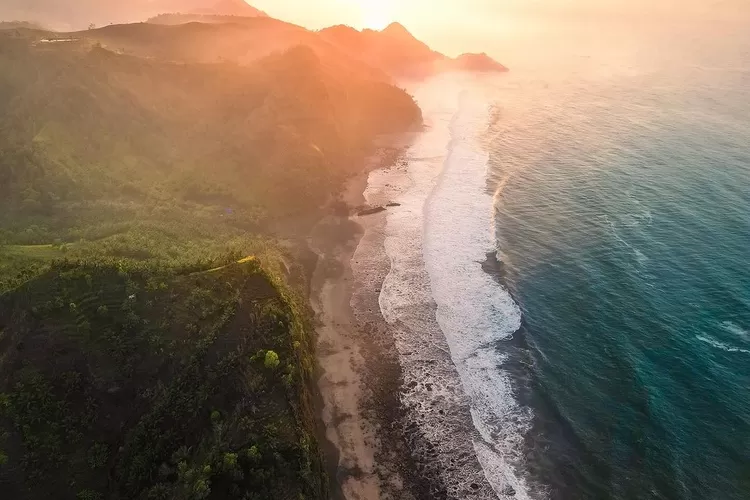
(454, 26)
(451, 26)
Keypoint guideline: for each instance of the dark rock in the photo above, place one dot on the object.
(371, 211)
(393, 204)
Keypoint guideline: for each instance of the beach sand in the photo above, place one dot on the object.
(341, 384)
(359, 371)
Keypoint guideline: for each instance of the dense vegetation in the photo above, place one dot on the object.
(140, 356)
(146, 158)
(139, 381)
(89, 134)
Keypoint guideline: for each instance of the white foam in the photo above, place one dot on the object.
(721, 345)
(448, 316)
(736, 329)
(474, 311)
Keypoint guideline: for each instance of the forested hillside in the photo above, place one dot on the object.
(142, 356)
(138, 381)
(111, 148)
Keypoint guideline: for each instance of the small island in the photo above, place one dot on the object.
(479, 63)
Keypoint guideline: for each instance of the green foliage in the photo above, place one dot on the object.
(271, 360)
(88, 495)
(70, 413)
(234, 150)
(98, 455)
(140, 354)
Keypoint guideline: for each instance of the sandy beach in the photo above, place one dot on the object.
(359, 371)
(390, 402)
(351, 436)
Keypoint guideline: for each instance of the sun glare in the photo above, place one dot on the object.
(375, 14)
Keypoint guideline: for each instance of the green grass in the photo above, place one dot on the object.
(36, 252)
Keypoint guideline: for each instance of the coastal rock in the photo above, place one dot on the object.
(371, 211)
(479, 63)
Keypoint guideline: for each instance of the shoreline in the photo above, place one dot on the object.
(348, 437)
(363, 432)
(380, 441)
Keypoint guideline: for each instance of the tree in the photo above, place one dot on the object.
(272, 360)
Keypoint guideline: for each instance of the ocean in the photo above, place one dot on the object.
(570, 262)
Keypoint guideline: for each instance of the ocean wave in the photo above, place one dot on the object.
(721, 345)
(475, 313)
(432, 396)
(449, 318)
(736, 330)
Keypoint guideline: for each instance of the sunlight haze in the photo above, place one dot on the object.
(374, 249)
(455, 26)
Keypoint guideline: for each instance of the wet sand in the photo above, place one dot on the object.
(341, 361)
(360, 375)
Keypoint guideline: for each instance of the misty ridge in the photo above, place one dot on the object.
(72, 15)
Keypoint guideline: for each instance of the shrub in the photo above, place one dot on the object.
(272, 360)
(88, 495)
(98, 455)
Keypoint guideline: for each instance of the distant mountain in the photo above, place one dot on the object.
(238, 8)
(67, 15)
(393, 51)
(477, 62)
(12, 25)
(175, 19)
(241, 40)
(79, 122)
(396, 51)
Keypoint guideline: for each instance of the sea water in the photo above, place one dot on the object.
(608, 354)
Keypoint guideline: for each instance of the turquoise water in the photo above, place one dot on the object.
(622, 211)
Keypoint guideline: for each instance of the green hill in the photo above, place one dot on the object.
(88, 137)
(139, 359)
(140, 381)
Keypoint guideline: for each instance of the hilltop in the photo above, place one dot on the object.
(398, 52)
(91, 135)
(238, 8)
(246, 34)
(388, 54)
(71, 15)
(238, 40)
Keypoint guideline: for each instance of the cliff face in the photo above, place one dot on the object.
(135, 381)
